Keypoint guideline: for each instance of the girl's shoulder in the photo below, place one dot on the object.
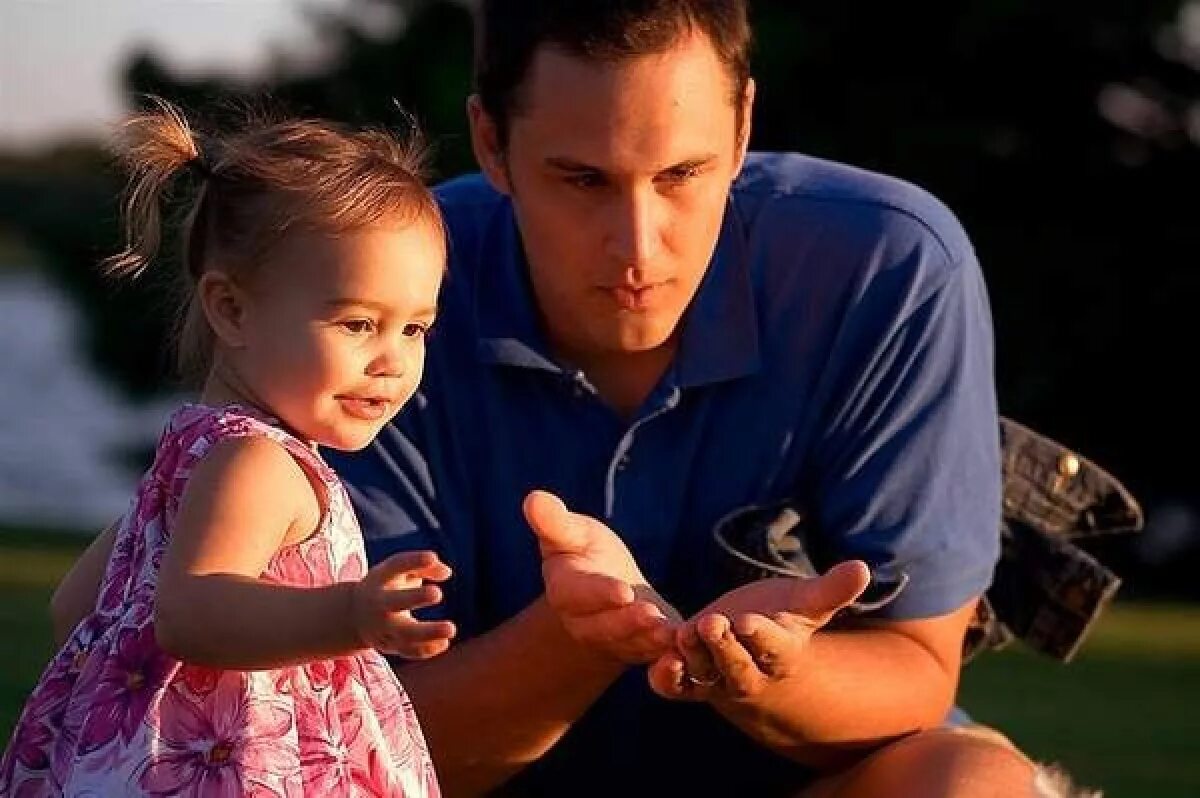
(195, 430)
(242, 448)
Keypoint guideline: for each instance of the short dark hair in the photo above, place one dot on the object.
(509, 32)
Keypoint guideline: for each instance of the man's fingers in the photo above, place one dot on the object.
(770, 644)
(582, 593)
(667, 677)
(638, 630)
(558, 530)
(740, 676)
(697, 660)
(819, 598)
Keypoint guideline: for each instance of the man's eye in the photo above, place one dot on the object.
(415, 330)
(585, 180)
(358, 326)
(680, 174)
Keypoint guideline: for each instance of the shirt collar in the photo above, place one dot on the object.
(719, 340)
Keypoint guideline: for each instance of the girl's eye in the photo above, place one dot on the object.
(415, 330)
(358, 326)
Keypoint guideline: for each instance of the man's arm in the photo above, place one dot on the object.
(494, 704)
(820, 696)
(905, 474)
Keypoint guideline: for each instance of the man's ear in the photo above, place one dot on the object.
(485, 141)
(747, 115)
(224, 305)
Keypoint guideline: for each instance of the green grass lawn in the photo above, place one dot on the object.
(1124, 716)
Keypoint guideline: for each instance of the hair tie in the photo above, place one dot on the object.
(198, 167)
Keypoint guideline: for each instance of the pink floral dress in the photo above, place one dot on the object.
(115, 715)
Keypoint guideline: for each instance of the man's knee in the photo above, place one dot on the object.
(953, 763)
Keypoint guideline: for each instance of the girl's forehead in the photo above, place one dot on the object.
(394, 265)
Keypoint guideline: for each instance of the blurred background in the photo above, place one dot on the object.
(1065, 135)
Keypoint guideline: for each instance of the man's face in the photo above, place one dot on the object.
(619, 174)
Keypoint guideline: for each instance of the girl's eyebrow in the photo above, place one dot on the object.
(362, 303)
(379, 307)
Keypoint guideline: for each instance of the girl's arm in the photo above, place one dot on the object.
(244, 500)
(76, 594)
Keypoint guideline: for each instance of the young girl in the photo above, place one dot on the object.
(234, 649)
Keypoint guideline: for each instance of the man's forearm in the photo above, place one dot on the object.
(854, 690)
(492, 705)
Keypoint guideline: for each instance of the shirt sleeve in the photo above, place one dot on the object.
(907, 465)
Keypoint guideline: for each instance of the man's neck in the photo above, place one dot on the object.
(624, 379)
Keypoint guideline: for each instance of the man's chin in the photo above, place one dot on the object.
(642, 338)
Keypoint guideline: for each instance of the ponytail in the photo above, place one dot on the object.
(256, 183)
(154, 148)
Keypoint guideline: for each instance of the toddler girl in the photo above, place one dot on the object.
(234, 649)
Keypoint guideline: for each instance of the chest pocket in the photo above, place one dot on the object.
(1045, 591)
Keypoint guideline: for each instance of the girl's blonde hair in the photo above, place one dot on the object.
(250, 188)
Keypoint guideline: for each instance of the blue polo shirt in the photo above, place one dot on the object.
(838, 352)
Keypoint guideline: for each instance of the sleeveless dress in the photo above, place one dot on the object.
(115, 715)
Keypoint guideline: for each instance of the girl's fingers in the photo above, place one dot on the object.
(410, 599)
(412, 565)
(422, 631)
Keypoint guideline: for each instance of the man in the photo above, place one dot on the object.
(659, 329)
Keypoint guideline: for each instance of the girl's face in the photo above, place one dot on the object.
(333, 331)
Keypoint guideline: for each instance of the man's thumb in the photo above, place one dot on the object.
(818, 599)
(557, 530)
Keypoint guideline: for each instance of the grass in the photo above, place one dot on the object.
(1124, 716)
(31, 563)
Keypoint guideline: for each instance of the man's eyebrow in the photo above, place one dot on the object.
(570, 165)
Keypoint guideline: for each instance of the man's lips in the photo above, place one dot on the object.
(635, 298)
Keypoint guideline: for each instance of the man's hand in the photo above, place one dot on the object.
(753, 636)
(594, 585)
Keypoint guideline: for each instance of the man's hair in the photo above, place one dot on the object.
(509, 32)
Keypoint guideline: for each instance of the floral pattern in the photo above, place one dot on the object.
(115, 715)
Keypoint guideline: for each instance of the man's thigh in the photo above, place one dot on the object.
(962, 761)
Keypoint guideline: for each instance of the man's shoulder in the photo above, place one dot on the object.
(469, 194)
(474, 214)
(794, 193)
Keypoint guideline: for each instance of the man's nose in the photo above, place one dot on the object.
(634, 235)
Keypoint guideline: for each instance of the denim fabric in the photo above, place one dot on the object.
(1045, 591)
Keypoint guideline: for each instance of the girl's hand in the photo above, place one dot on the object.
(382, 601)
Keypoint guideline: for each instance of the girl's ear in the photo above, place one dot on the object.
(224, 304)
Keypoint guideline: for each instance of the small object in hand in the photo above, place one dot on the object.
(702, 682)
